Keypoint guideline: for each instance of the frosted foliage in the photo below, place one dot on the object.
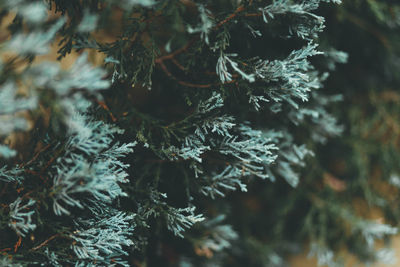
(279, 7)
(88, 23)
(372, 231)
(386, 256)
(222, 69)
(21, 216)
(180, 219)
(292, 73)
(97, 239)
(32, 12)
(7, 152)
(10, 120)
(11, 103)
(177, 219)
(98, 177)
(206, 23)
(34, 43)
(325, 256)
(11, 175)
(219, 237)
(5, 261)
(82, 75)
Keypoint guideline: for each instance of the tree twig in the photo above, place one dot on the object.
(176, 52)
(45, 242)
(35, 156)
(106, 108)
(18, 244)
(188, 84)
(230, 17)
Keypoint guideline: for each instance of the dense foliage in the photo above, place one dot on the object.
(204, 137)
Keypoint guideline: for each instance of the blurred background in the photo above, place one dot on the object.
(365, 161)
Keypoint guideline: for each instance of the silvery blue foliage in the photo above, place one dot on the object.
(21, 216)
(206, 121)
(212, 103)
(293, 75)
(10, 120)
(176, 219)
(205, 25)
(52, 259)
(304, 9)
(88, 23)
(386, 256)
(11, 175)
(279, 7)
(10, 103)
(34, 42)
(7, 152)
(38, 78)
(290, 157)
(220, 236)
(81, 75)
(103, 241)
(334, 56)
(193, 151)
(32, 12)
(179, 219)
(227, 180)
(326, 125)
(254, 152)
(324, 255)
(394, 180)
(372, 231)
(222, 69)
(90, 165)
(130, 3)
(7, 262)
(250, 147)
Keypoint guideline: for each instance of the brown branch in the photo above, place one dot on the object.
(48, 164)
(35, 156)
(190, 43)
(182, 68)
(195, 85)
(253, 15)
(164, 68)
(188, 84)
(230, 17)
(106, 108)
(45, 242)
(18, 244)
(171, 56)
(176, 52)
(35, 174)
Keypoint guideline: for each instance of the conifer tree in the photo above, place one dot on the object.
(199, 140)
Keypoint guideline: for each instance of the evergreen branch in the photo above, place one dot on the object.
(34, 158)
(45, 242)
(176, 52)
(18, 244)
(106, 108)
(230, 17)
(188, 84)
